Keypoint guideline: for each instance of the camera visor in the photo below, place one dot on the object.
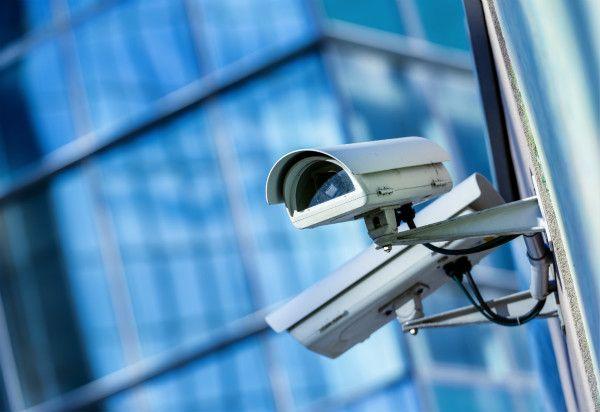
(321, 182)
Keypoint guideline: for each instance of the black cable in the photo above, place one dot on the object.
(461, 267)
(506, 321)
(471, 299)
(406, 213)
(499, 241)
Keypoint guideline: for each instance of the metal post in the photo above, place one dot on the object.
(489, 86)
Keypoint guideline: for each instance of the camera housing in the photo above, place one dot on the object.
(374, 288)
(359, 180)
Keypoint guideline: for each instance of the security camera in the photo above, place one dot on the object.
(373, 288)
(367, 180)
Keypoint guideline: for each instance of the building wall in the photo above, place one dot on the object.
(551, 55)
(162, 236)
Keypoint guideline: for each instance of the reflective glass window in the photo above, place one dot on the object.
(78, 6)
(235, 379)
(457, 398)
(35, 118)
(443, 22)
(229, 30)
(383, 397)
(54, 291)
(19, 17)
(377, 14)
(179, 253)
(133, 54)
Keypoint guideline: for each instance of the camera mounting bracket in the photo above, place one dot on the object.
(515, 218)
(510, 305)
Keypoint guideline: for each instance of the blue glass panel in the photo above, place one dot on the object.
(166, 197)
(76, 6)
(131, 400)
(456, 107)
(388, 104)
(451, 398)
(133, 54)
(390, 397)
(54, 291)
(35, 117)
(76, 222)
(4, 403)
(376, 14)
(232, 29)
(235, 379)
(316, 380)
(443, 22)
(533, 402)
(18, 17)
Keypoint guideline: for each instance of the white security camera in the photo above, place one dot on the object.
(367, 180)
(374, 287)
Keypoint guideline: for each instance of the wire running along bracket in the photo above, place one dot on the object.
(521, 217)
(511, 305)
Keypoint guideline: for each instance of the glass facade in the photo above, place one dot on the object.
(159, 235)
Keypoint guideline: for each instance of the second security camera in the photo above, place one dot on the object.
(374, 288)
(362, 180)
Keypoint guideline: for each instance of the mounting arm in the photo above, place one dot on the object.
(515, 218)
(521, 217)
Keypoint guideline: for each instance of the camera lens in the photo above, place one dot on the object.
(336, 185)
(320, 182)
